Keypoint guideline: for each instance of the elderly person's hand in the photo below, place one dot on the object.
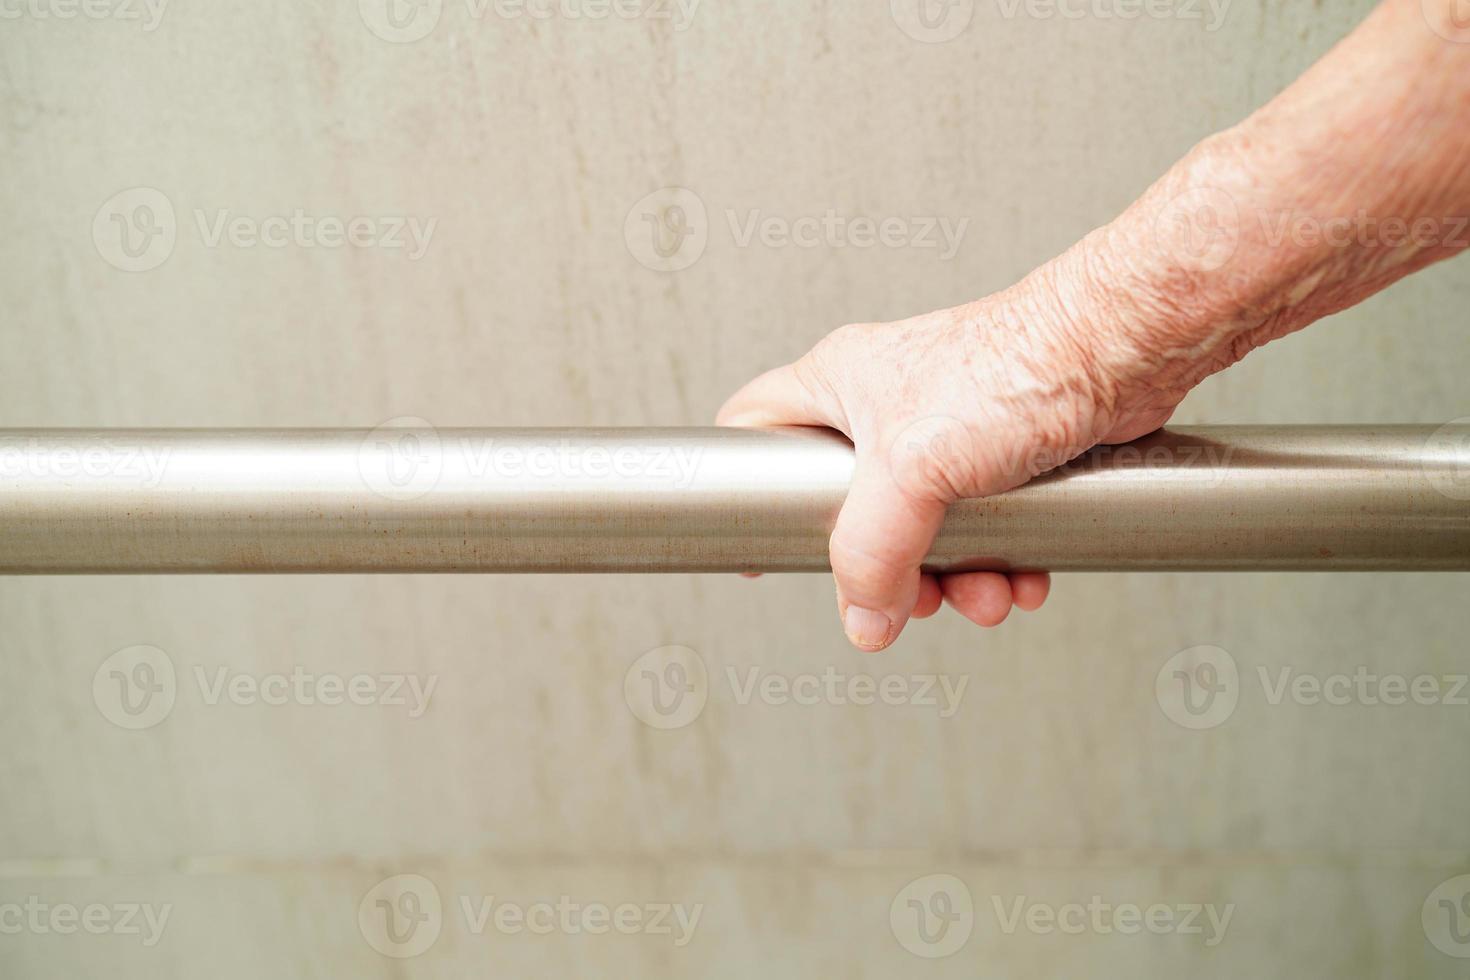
(1354, 177)
(961, 403)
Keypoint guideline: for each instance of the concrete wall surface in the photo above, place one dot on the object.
(1022, 802)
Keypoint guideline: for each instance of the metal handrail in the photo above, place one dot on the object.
(1388, 498)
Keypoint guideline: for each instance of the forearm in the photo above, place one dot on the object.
(1352, 178)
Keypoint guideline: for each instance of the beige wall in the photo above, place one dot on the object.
(793, 828)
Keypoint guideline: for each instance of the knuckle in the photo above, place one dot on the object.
(935, 460)
(838, 369)
(811, 374)
(831, 349)
(865, 577)
(852, 339)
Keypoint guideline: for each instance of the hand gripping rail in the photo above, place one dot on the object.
(1374, 498)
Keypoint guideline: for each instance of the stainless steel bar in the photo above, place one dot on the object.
(707, 500)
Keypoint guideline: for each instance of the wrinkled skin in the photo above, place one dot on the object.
(988, 395)
(1101, 344)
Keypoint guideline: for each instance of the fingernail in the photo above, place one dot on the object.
(866, 628)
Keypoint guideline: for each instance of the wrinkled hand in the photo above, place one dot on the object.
(1101, 344)
(960, 403)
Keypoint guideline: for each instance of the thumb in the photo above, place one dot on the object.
(882, 535)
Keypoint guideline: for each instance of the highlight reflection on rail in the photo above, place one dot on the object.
(708, 500)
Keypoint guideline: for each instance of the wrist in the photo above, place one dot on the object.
(1180, 285)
